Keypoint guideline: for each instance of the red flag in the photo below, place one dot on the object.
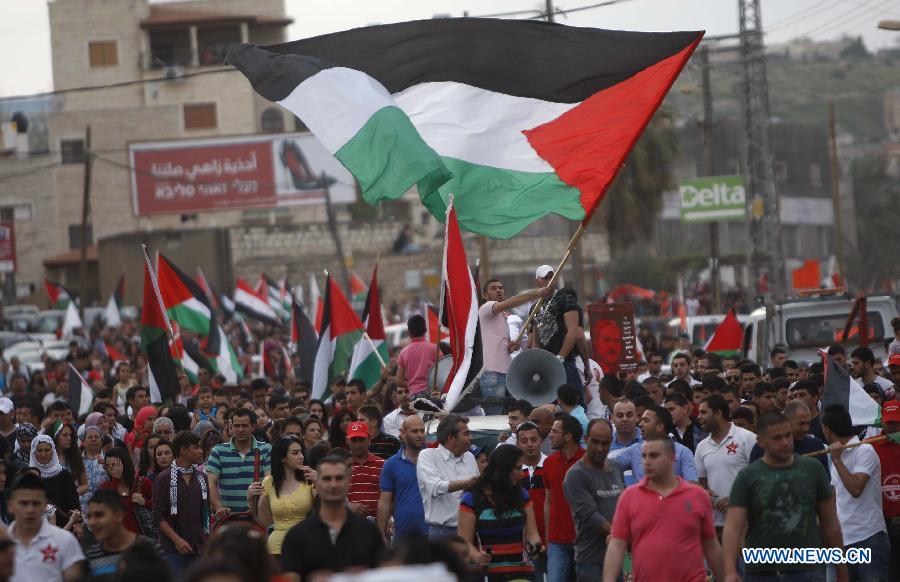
(113, 353)
(809, 276)
(728, 336)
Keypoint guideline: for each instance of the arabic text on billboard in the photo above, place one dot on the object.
(178, 177)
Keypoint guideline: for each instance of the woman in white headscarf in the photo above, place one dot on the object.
(58, 482)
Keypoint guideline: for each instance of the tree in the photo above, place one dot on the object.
(877, 217)
(635, 198)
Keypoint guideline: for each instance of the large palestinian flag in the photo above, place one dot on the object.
(518, 119)
(163, 377)
(365, 364)
(728, 337)
(60, 296)
(841, 388)
(340, 330)
(249, 302)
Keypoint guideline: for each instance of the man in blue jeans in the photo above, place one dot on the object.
(497, 345)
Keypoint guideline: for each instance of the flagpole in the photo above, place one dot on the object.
(869, 441)
(170, 335)
(569, 250)
(375, 349)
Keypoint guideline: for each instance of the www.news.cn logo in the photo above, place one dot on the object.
(807, 555)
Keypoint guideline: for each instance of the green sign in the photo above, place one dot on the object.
(713, 199)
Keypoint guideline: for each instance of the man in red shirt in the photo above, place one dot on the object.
(565, 437)
(366, 478)
(889, 454)
(415, 359)
(663, 515)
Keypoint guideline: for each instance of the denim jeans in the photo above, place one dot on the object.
(179, 562)
(877, 569)
(574, 377)
(561, 563)
(493, 385)
(588, 572)
(436, 532)
(809, 575)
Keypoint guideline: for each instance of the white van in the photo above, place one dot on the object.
(807, 325)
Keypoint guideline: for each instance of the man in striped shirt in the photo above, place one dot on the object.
(528, 438)
(366, 478)
(234, 465)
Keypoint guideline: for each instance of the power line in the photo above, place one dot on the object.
(28, 171)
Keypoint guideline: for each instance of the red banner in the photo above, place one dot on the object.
(7, 247)
(613, 340)
(188, 176)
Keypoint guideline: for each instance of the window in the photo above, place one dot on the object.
(75, 235)
(272, 120)
(200, 116)
(822, 330)
(72, 151)
(19, 212)
(7, 213)
(103, 53)
(815, 174)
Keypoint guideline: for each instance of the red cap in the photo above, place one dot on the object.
(890, 412)
(358, 430)
(894, 360)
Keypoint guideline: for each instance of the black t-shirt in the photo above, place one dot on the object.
(103, 565)
(308, 546)
(550, 321)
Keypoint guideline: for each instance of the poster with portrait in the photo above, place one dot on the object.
(613, 340)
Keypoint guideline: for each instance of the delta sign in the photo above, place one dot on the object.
(713, 199)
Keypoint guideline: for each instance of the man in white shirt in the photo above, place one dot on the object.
(681, 368)
(856, 477)
(44, 552)
(394, 419)
(862, 367)
(594, 406)
(495, 338)
(444, 473)
(720, 456)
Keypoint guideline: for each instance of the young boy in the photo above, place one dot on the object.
(206, 409)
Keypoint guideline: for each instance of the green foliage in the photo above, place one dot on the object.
(634, 200)
(877, 217)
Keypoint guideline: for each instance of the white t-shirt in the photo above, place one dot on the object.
(393, 422)
(721, 462)
(51, 551)
(596, 408)
(861, 517)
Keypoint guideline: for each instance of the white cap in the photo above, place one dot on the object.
(6, 405)
(542, 271)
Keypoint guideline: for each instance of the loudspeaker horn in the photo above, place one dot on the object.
(534, 375)
(438, 373)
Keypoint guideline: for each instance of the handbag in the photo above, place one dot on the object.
(145, 518)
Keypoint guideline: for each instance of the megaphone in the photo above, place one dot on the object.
(438, 374)
(534, 375)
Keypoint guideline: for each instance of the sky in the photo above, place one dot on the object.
(25, 33)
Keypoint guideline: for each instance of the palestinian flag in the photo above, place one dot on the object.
(247, 300)
(285, 297)
(81, 395)
(113, 354)
(316, 303)
(433, 325)
(211, 293)
(365, 363)
(60, 296)
(530, 118)
(111, 315)
(187, 355)
(269, 290)
(224, 360)
(728, 337)
(303, 340)
(843, 389)
(339, 332)
(358, 292)
(461, 311)
(184, 299)
(163, 377)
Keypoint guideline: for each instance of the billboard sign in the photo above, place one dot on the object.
(713, 199)
(613, 340)
(235, 173)
(7, 247)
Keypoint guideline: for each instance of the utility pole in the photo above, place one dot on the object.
(836, 196)
(335, 234)
(708, 170)
(765, 222)
(85, 218)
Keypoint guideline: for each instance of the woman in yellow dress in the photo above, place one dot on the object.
(285, 497)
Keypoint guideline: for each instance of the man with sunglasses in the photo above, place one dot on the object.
(654, 366)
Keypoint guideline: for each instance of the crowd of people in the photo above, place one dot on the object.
(641, 475)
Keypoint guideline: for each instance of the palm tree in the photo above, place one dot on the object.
(635, 199)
